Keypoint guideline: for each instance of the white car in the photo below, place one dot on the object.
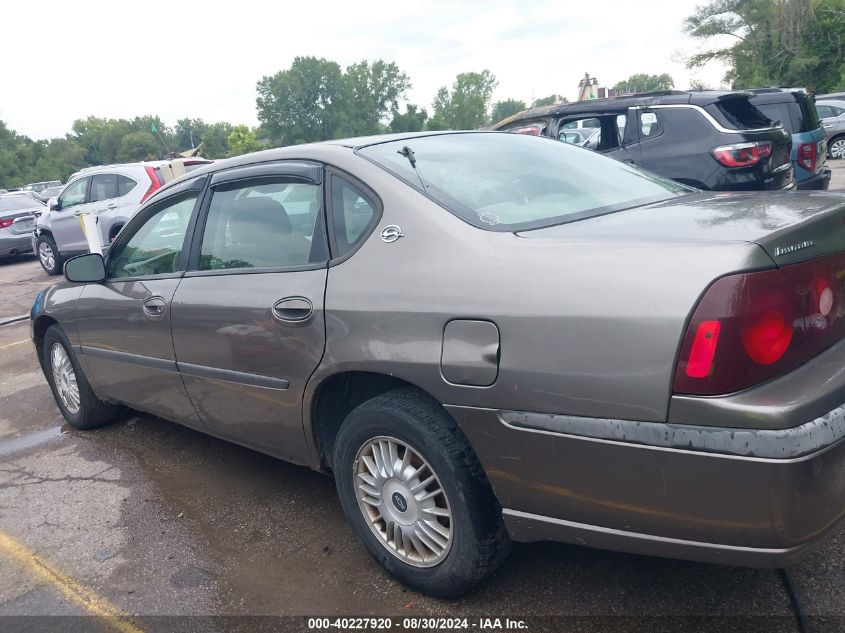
(112, 193)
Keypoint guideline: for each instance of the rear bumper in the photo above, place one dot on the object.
(819, 182)
(14, 244)
(744, 497)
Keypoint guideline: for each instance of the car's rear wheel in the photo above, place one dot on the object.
(416, 494)
(48, 255)
(837, 147)
(76, 400)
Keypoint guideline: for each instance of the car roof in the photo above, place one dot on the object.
(837, 102)
(665, 97)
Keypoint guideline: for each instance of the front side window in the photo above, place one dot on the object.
(155, 248)
(74, 193)
(267, 223)
(103, 187)
(509, 182)
(352, 213)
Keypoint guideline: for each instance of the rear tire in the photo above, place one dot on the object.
(836, 149)
(48, 254)
(73, 394)
(442, 543)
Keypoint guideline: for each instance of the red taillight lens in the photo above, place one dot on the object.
(807, 156)
(5, 222)
(155, 185)
(751, 327)
(742, 154)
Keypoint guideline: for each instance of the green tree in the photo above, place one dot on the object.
(642, 82)
(413, 119)
(215, 140)
(465, 107)
(242, 141)
(546, 101)
(303, 103)
(773, 42)
(373, 92)
(187, 133)
(503, 109)
(137, 146)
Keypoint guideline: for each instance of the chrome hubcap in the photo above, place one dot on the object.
(46, 255)
(837, 149)
(403, 502)
(65, 378)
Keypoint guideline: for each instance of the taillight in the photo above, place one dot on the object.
(807, 156)
(5, 222)
(751, 327)
(742, 154)
(155, 185)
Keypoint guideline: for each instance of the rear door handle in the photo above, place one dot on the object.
(293, 310)
(154, 306)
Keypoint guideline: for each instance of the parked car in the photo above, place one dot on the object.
(796, 111)
(832, 113)
(38, 187)
(708, 140)
(112, 193)
(17, 220)
(485, 337)
(49, 192)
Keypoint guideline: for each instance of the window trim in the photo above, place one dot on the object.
(368, 193)
(294, 170)
(141, 218)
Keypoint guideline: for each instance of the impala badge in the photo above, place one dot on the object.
(391, 233)
(791, 248)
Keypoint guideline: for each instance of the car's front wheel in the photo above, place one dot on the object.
(48, 254)
(416, 494)
(76, 400)
(836, 149)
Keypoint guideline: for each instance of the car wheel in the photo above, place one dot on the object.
(48, 255)
(76, 400)
(416, 495)
(837, 147)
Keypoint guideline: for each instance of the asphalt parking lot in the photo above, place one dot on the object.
(144, 521)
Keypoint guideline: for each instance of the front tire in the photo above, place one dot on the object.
(836, 149)
(416, 495)
(48, 255)
(73, 394)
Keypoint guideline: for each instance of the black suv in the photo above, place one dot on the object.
(709, 140)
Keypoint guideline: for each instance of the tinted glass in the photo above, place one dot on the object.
(506, 182)
(738, 114)
(124, 185)
(17, 203)
(352, 213)
(263, 224)
(155, 247)
(74, 193)
(103, 187)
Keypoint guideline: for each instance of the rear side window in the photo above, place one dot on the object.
(268, 223)
(103, 187)
(352, 213)
(124, 185)
(738, 114)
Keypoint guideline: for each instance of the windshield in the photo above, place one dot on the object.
(16, 203)
(510, 182)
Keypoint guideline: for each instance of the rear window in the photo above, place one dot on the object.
(514, 182)
(738, 114)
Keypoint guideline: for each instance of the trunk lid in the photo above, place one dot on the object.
(789, 226)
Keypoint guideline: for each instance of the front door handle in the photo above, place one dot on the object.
(155, 306)
(293, 310)
(111, 206)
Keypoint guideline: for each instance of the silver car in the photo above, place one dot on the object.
(111, 193)
(832, 115)
(484, 337)
(18, 213)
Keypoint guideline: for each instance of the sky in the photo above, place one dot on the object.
(63, 61)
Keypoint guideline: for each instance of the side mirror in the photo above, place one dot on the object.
(86, 269)
(53, 204)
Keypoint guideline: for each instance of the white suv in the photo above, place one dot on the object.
(112, 193)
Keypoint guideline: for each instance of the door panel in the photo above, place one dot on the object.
(127, 350)
(64, 223)
(245, 364)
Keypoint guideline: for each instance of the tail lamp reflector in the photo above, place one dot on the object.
(703, 349)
